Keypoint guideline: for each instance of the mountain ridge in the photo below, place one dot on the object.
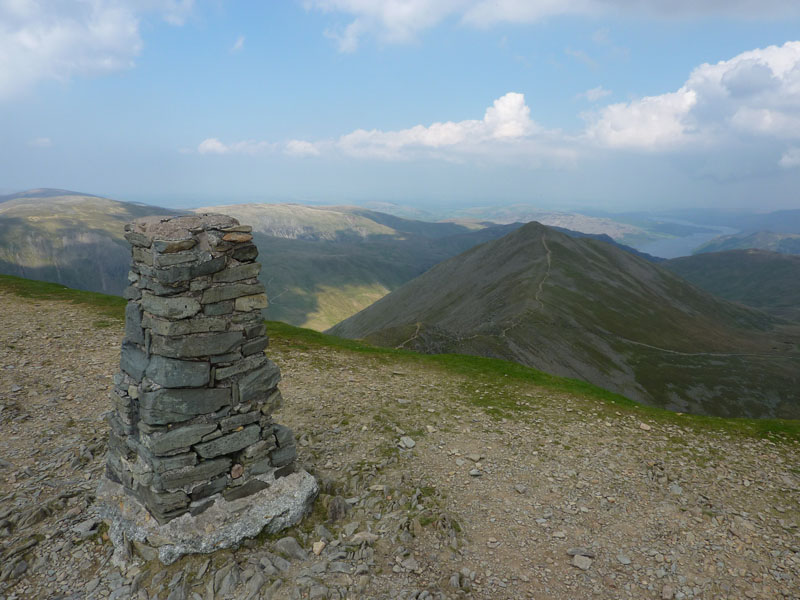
(582, 308)
(765, 280)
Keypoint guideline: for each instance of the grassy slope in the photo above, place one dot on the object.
(765, 280)
(501, 374)
(600, 310)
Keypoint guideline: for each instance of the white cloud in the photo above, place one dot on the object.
(728, 119)
(790, 158)
(756, 93)
(393, 20)
(506, 132)
(594, 94)
(301, 148)
(238, 44)
(651, 122)
(507, 120)
(214, 146)
(60, 39)
(40, 142)
(402, 20)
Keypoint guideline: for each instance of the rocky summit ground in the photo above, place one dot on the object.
(436, 484)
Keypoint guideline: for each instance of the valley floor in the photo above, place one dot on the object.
(508, 490)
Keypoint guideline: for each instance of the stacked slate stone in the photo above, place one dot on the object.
(195, 392)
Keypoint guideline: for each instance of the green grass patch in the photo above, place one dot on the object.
(109, 306)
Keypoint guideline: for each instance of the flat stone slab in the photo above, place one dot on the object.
(224, 525)
(180, 227)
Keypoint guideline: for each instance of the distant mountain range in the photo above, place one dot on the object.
(583, 308)
(784, 243)
(575, 304)
(323, 264)
(762, 279)
(69, 238)
(320, 264)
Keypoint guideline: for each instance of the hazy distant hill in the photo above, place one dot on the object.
(323, 264)
(784, 243)
(622, 232)
(68, 238)
(765, 280)
(43, 193)
(586, 309)
(320, 264)
(780, 221)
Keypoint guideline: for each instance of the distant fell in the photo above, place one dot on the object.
(69, 238)
(766, 280)
(583, 308)
(784, 243)
(42, 193)
(323, 264)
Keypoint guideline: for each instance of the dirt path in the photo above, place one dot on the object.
(548, 256)
(482, 506)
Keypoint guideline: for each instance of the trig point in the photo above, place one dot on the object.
(195, 462)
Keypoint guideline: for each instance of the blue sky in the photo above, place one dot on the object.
(607, 104)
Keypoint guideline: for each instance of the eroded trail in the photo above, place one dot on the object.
(480, 506)
(548, 257)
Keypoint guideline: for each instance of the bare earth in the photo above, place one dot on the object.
(662, 512)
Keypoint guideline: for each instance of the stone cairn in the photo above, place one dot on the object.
(192, 403)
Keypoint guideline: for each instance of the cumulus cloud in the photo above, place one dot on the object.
(756, 93)
(507, 120)
(392, 20)
(60, 39)
(301, 148)
(741, 111)
(214, 146)
(790, 158)
(402, 20)
(651, 122)
(506, 132)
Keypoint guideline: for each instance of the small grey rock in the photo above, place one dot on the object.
(581, 552)
(318, 591)
(280, 563)
(322, 533)
(582, 562)
(289, 547)
(254, 585)
(407, 442)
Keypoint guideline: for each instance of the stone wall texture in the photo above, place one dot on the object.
(193, 399)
